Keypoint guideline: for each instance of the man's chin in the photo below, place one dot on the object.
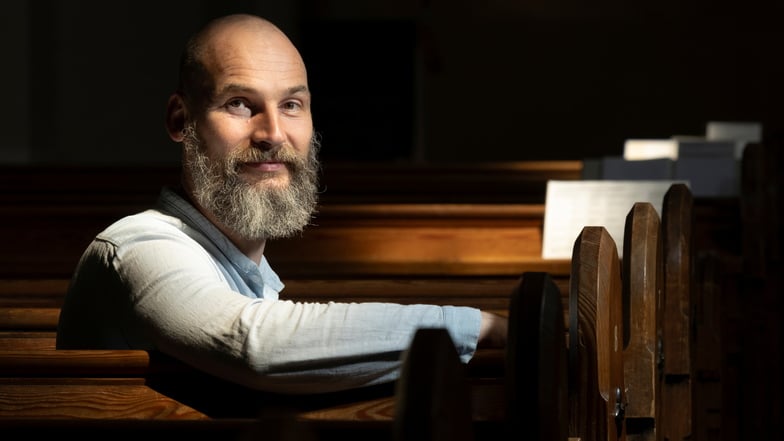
(266, 180)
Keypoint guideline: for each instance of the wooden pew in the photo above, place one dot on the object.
(519, 392)
(737, 309)
(595, 265)
(484, 234)
(138, 385)
(499, 240)
(536, 368)
(342, 181)
(65, 206)
(678, 313)
(96, 203)
(432, 399)
(435, 253)
(597, 393)
(445, 254)
(431, 240)
(760, 404)
(277, 429)
(642, 281)
(716, 278)
(489, 182)
(126, 391)
(59, 384)
(29, 310)
(34, 323)
(658, 292)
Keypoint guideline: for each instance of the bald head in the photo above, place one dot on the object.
(222, 40)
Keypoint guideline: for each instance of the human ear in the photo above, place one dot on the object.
(176, 116)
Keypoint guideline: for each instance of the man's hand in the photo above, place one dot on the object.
(493, 331)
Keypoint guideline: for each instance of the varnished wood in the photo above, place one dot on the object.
(596, 386)
(66, 206)
(342, 181)
(110, 384)
(642, 292)
(438, 239)
(678, 240)
(21, 318)
(54, 384)
(25, 340)
(678, 313)
(432, 401)
(434, 239)
(278, 428)
(87, 363)
(33, 292)
(536, 361)
(105, 401)
(716, 277)
(760, 302)
(95, 205)
(482, 182)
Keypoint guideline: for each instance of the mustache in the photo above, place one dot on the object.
(281, 153)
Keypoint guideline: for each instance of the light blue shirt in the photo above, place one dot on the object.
(167, 279)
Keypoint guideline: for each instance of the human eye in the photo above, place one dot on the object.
(238, 106)
(291, 106)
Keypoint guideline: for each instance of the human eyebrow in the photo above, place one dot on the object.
(233, 88)
(297, 90)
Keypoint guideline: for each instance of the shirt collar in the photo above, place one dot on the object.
(173, 202)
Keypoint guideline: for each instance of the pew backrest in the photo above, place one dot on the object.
(678, 313)
(419, 239)
(432, 399)
(642, 277)
(536, 361)
(597, 393)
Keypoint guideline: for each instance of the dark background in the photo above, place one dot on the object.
(403, 80)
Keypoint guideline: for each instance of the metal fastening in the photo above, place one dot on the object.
(620, 411)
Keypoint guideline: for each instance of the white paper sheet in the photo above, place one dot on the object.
(572, 205)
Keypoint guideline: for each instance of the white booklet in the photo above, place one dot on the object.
(572, 205)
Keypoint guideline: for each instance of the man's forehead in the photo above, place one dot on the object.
(252, 48)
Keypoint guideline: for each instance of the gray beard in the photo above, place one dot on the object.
(251, 210)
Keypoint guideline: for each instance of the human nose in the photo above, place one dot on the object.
(267, 129)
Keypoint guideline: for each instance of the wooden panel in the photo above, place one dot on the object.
(495, 182)
(536, 385)
(26, 340)
(21, 318)
(54, 401)
(80, 363)
(642, 291)
(597, 391)
(432, 400)
(65, 207)
(429, 239)
(678, 313)
(36, 292)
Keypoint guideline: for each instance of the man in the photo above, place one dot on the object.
(189, 278)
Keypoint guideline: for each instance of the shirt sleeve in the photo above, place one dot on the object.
(181, 303)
